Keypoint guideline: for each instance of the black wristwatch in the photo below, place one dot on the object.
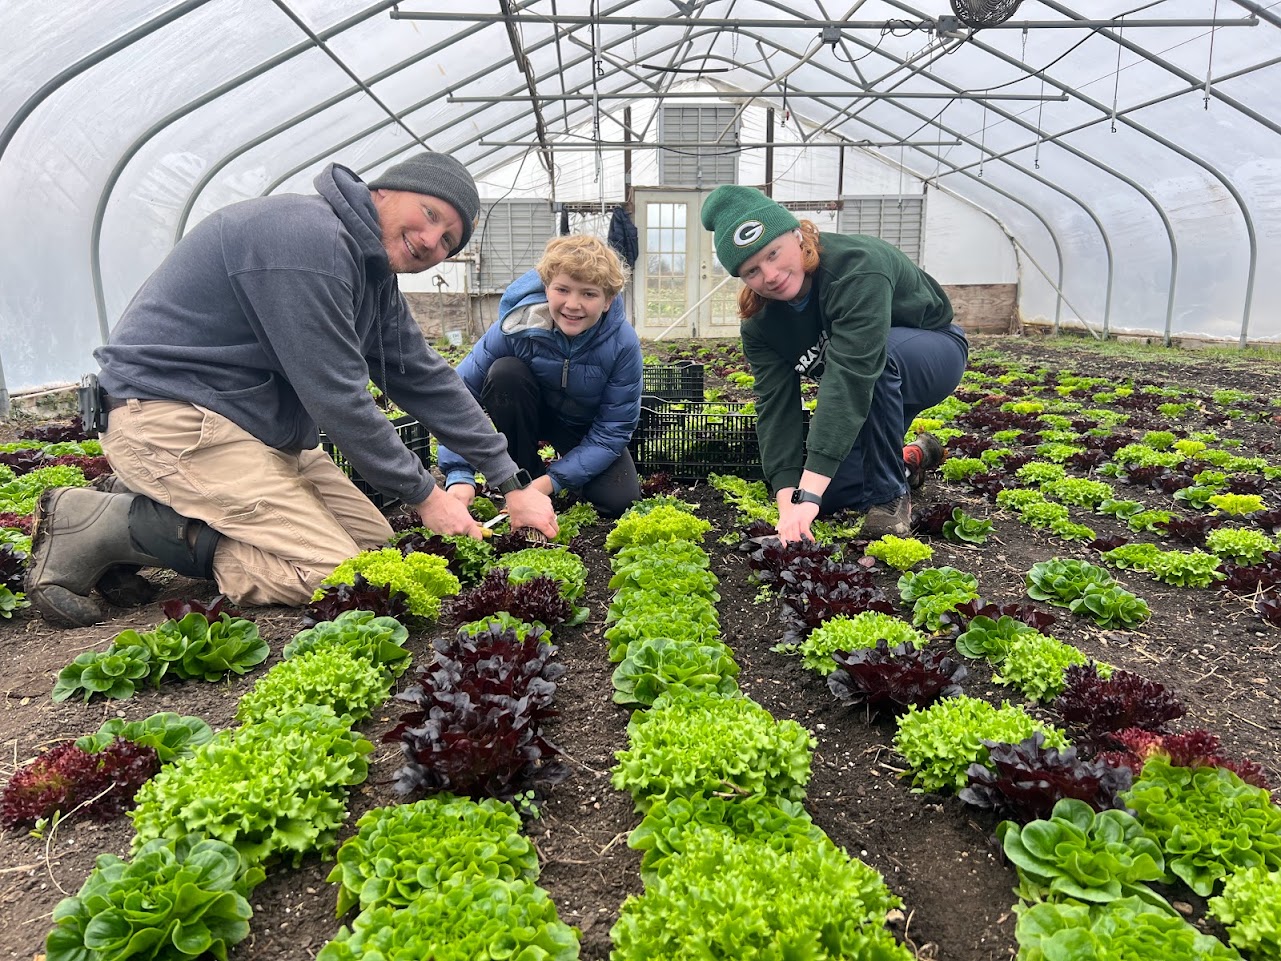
(518, 481)
(801, 496)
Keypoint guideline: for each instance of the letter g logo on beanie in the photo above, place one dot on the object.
(743, 221)
(748, 233)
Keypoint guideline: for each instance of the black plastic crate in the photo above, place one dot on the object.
(672, 382)
(690, 441)
(411, 433)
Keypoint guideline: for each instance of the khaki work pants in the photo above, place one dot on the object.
(287, 519)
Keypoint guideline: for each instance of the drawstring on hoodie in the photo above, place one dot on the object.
(382, 351)
(400, 351)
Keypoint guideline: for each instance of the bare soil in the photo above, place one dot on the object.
(934, 852)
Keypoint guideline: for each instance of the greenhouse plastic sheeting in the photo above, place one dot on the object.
(126, 122)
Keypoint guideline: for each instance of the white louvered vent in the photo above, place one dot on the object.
(509, 240)
(698, 166)
(897, 220)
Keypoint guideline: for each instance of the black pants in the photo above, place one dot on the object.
(529, 416)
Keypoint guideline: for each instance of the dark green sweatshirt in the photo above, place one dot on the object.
(863, 286)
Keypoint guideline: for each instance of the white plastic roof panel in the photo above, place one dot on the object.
(195, 104)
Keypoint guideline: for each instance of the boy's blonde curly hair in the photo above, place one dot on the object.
(589, 260)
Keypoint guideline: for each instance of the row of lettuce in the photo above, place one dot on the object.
(445, 877)
(1013, 435)
(1171, 807)
(733, 866)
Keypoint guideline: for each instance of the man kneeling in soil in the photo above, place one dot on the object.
(269, 318)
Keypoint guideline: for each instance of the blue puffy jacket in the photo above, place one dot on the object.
(599, 372)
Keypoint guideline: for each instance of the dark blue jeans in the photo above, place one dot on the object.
(922, 368)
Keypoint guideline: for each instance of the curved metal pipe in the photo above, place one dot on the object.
(51, 85)
(1107, 244)
(374, 128)
(337, 98)
(1214, 171)
(1093, 161)
(95, 251)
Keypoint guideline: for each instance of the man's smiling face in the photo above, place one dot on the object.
(419, 230)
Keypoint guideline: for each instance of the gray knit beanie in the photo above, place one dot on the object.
(438, 175)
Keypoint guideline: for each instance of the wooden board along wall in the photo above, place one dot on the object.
(985, 308)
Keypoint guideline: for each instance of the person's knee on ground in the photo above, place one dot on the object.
(79, 534)
(612, 500)
(616, 489)
(509, 384)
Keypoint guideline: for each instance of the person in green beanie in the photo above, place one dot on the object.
(855, 314)
(265, 322)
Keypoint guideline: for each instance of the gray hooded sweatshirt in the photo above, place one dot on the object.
(276, 313)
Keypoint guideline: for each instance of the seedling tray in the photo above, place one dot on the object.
(664, 383)
(691, 440)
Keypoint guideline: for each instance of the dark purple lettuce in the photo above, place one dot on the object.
(1249, 580)
(930, 520)
(24, 461)
(1087, 460)
(879, 677)
(1269, 520)
(1024, 781)
(1246, 484)
(802, 612)
(1190, 530)
(1029, 614)
(1268, 607)
(1109, 543)
(477, 725)
(359, 595)
(536, 600)
(776, 564)
(91, 467)
(991, 484)
(492, 663)
(1195, 748)
(1098, 707)
(57, 433)
(13, 568)
(178, 608)
(658, 483)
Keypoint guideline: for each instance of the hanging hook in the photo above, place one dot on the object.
(983, 142)
(1036, 154)
(1210, 60)
(1116, 85)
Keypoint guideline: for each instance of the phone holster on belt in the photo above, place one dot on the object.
(93, 412)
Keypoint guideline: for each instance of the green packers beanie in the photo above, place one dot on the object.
(743, 220)
(440, 176)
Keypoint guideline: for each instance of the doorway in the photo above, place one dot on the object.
(681, 288)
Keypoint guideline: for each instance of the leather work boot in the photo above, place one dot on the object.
(923, 454)
(892, 518)
(78, 534)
